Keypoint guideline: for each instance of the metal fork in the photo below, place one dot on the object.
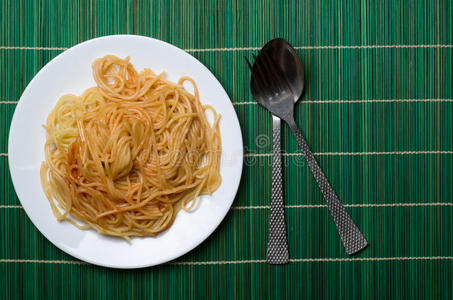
(277, 243)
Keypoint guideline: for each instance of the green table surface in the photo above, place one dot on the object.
(377, 111)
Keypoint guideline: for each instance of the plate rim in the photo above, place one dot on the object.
(74, 253)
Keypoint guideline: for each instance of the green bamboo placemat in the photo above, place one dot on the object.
(377, 111)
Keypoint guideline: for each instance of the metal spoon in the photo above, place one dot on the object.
(277, 244)
(272, 86)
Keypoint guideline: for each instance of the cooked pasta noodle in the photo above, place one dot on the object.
(125, 156)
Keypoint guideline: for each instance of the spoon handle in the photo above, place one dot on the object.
(277, 244)
(352, 238)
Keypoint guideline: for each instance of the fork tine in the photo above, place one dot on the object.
(260, 72)
(254, 74)
(272, 65)
(270, 72)
(257, 82)
(258, 78)
(275, 71)
(248, 63)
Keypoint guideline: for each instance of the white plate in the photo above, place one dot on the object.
(70, 72)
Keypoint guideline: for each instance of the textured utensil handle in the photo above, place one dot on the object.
(277, 244)
(352, 238)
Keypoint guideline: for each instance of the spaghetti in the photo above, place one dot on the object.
(128, 154)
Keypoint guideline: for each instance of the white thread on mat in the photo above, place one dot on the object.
(31, 48)
(323, 48)
(327, 101)
(251, 261)
(11, 206)
(340, 153)
(252, 207)
(354, 153)
(356, 101)
(338, 47)
(348, 205)
(41, 261)
(314, 260)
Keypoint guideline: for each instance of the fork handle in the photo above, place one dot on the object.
(277, 244)
(352, 238)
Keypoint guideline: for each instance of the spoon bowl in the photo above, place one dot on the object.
(272, 88)
(286, 57)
